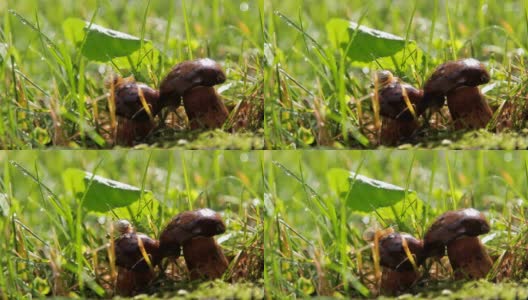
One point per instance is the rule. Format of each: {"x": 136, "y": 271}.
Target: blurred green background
{"x": 484, "y": 177}
{"x": 482, "y": 28}
{"x": 220, "y": 29}
{"x": 216, "y": 179}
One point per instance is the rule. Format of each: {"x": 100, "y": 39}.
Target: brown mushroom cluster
{"x": 136, "y": 105}
{"x": 401, "y": 105}
{"x": 137, "y": 255}
{"x": 457, "y": 231}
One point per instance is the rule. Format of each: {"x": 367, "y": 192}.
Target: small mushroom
{"x": 450, "y": 76}
{"x": 398, "y": 122}
{"x": 458, "y": 230}
{"x": 194, "y": 231}
{"x": 136, "y": 104}
{"x": 398, "y": 272}
{"x": 128, "y": 102}
{"x": 131, "y": 251}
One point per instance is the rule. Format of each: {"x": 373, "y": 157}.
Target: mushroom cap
{"x": 451, "y": 226}
{"x": 454, "y": 74}
{"x": 187, "y": 225}
{"x": 392, "y": 102}
{"x": 392, "y": 254}
{"x": 128, "y": 102}
{"x": 128, "y": 254}
{"x": 451, "y": 75}
{"x": 189, "y": 74}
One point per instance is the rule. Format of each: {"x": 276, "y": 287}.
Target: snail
{"x": 398, "y": 272}
{"x": 398, "y": 121}
{"x": 136, "y": 256}
{"x": 136, "y": 104}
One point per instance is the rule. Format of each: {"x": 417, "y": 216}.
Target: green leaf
{"x": 102, "y": 44}
{"x": 305, "y": 135}
{"x": 104, "y": 194}
{"x": 368, "y": 45}
{"x": 41, "y": 286}
{"x": 145, "y": 57}
{"x": 305, "y": 285}
{"x": 362, "y": 193}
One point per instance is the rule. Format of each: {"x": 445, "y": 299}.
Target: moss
{"x": 479, "y": 139}
{"x": 212, "y": 290}
{"x": 470, "y": 290}
{"x": 214, "y": 139}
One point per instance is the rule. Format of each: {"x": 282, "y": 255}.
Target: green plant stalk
{"x": 187, "y": 29}
{"x": 451, "y": 183}
{"x": 187, "y": 182}
{"x": 451, "y": 32}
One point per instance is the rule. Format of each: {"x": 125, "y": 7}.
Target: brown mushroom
{"x": 187, "y": 75}
{"x": 193, "y": 81}
{"x": 136, "y": 104}
{"x": 194, "y": 231}
{"x": 398, "y": 272}
{"x": 458, "y": 230}
{"x": 450, "y": 76}
{"x": 132, "y": 250}
{"x": 398, "y": 121}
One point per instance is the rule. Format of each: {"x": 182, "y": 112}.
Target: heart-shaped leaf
{"x": 362, "y": 193}
{"x": 104, "y": 194}
{"x": 368, "y": 194}
{"x": 368, "y": 45}
{"x": 102, "y": 44}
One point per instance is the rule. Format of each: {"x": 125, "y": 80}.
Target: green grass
{"x": 53, "y": 246}
{"x": 317, "y": 97}
{"x": 314, "y": 241}
{"x": 55, "y": 97}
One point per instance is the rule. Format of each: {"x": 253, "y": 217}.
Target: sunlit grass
{"x": 53, "y": 246}
{"x": 316, "y": 97}
{"x": 54, "y": 96}
{"x": 315, "y": 243}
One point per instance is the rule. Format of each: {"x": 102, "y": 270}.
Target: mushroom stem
{"x": 394, "y": 282}
{"x": 130, "y": 130}
{"x": 204, "y": 108}
{"x": 393, "y": 131}
{"x": 469, "y": 258}
{"x": 468, "y": 108}
{"x": 204, "y": 258}
{"x": 130, "y": 283}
